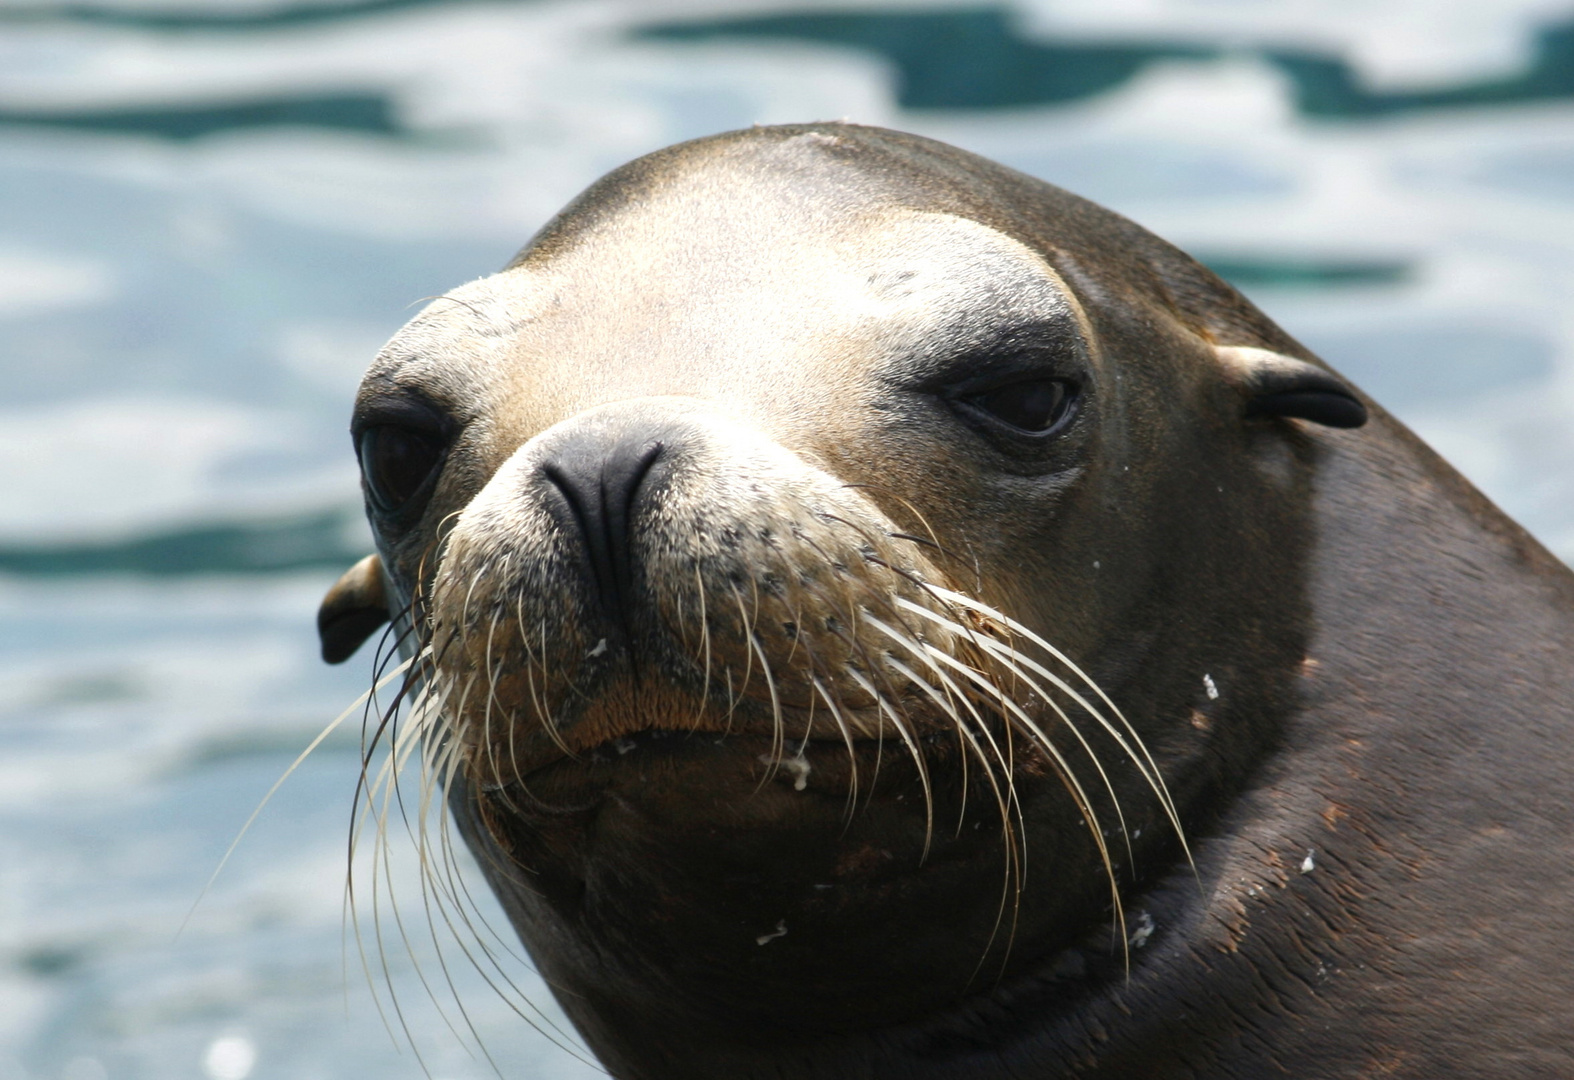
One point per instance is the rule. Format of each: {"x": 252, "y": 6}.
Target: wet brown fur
{"x": 1373, "y": 780}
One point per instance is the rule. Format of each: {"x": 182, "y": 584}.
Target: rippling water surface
{"x": 212, "y": 213}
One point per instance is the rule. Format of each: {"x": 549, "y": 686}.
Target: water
{"x": 212, "y": 213}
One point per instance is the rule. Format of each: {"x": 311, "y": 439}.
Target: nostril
{"x": 621, "y": 481}
{"x": 600, "y": 485}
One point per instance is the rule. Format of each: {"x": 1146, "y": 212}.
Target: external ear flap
{"x": 1279, "y": 385}
{"x": 353, "y": 610}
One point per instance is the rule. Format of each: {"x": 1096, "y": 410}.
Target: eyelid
{"x": 966, "y": 360}
{"x": 402, "y": 409}
{"x": 990, "y": 382}
{"x": 981, "y": 372}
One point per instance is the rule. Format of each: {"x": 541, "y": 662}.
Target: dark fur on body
{"x": 1373, "y": 778}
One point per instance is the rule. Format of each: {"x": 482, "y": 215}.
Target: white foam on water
{"x": 96, "y": 469}
{"x": 33, "y": 281}
{"x": 1392, "y": 43}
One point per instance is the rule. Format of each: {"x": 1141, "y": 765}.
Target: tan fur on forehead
{"x": 816, "y": 171}
{"x": 745, "y": 209}
{"x": 593, "y": 324}
{"x": 469, "y": 321}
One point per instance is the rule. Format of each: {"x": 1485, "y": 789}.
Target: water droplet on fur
{"x": 796, "y": 767}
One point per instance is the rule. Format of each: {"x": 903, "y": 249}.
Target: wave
{"x": 978, "y": 59}
{"x": 326, "y": 538}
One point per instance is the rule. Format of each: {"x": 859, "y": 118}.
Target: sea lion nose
{"x": 599, "y": 476}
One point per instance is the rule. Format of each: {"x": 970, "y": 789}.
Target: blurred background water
{"x": 213, "y": 211}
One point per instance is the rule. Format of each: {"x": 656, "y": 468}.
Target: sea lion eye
{"x": 1033, "y": 405}
{"x": 396, "y": 462}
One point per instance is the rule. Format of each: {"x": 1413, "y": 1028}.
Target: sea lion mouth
{"x": 638, "y": 713}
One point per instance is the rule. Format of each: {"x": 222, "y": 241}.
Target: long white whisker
{"x": 288, "y": 772}
{"x": 912, "y": 747}
{"x": 1084, "y": 804}
{"x": 1151, "y": 772}
{"x": 847, "y": 738}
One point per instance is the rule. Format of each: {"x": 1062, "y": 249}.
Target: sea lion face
{"x": 823, "y": 592}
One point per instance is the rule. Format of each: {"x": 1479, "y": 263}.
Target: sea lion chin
{"x": 873, "y": 612}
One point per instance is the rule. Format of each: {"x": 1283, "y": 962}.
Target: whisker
{"x": 1146, "y": 765}
{"x": 847, "y": 739}
{"x": 288, "y": 772}
{"x": 912, "y": 747}
{"x": 1006, "y": 801}
{"x": 705, "y": 647}
{"x": 1032, "y": 728}
{"x": 1084, "y": 804}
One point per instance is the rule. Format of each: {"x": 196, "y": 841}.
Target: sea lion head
{"x": 839, "y": 571}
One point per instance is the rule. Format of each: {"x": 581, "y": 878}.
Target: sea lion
{"x": 876, "y": 614}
